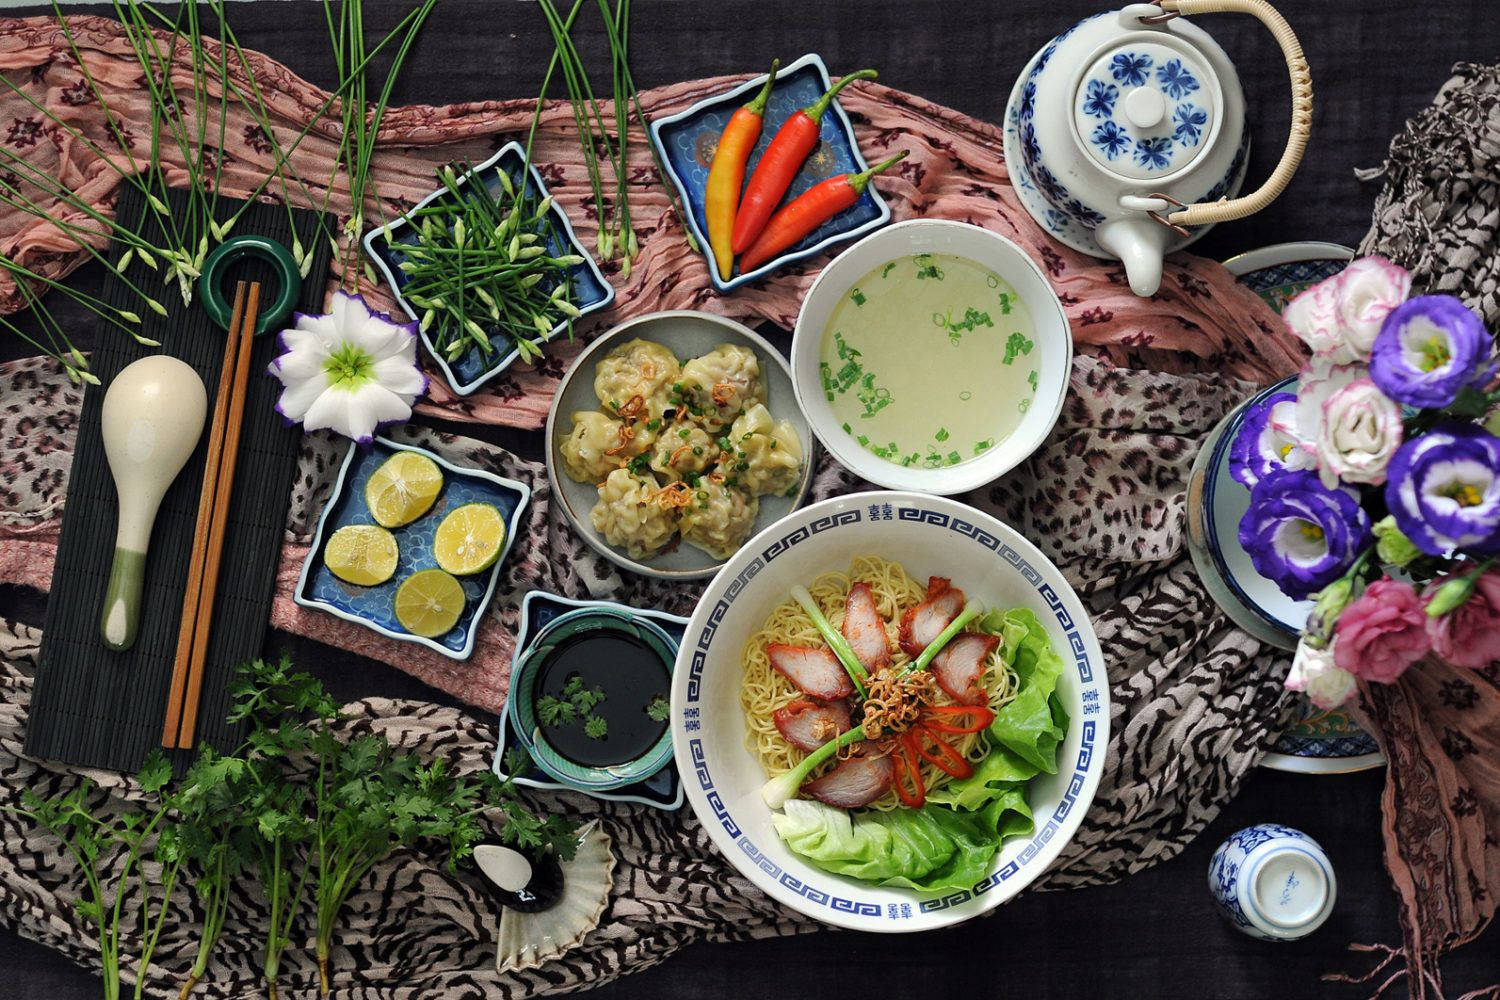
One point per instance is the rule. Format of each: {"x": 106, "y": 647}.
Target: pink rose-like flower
{"x": 1369, "y": 288}
{"x": 1469, "y": 635}
{"x": 1313, "y": 315}
{"x": 1383, "y": 632}
{"x": 1361, "y": 430}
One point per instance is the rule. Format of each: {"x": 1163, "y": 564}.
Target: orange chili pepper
{"x": 721, "y": 199}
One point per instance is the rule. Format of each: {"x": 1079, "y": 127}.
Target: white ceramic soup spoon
{"x": 151, "y": 420}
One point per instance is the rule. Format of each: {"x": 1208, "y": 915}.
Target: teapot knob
{"x": 1140, "y": 243}
{"x": 1145, "y": 107}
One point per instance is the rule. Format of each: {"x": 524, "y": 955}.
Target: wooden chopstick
{"x": 206, "y": 495}
{"x": 187, "y": 673}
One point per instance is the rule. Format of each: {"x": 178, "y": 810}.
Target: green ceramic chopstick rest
{"x": 151, "y": 420}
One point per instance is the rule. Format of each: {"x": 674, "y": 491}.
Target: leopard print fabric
{"x": 1194, "y": 701}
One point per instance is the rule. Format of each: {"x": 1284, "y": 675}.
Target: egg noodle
{"x": 763, "y": 689}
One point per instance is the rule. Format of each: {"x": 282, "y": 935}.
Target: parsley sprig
{"x": 577, "y": 703}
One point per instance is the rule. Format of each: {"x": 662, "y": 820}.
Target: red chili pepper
{"x": 721, "y": 196}
{"x": 947, "y": 759}
{"x": 796, "y": 138}
{"x": 907, "y": 769}
{"x": 808, "y": 211}
{"x": 945, "y": 718}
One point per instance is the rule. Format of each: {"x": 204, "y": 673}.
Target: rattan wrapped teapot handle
{"x": 1207, "y": 213}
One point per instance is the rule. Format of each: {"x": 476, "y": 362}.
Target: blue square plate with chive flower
{"x": 374, "y": 607}
{"x": 687, "y": 141}
{"x": 663, "y": 790}
{"x": 591, "y": 292}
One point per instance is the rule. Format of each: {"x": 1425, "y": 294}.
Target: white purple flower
{"x": 1359, "y": 433}
{"x": 1367, "y": 291}
{"x": 1430, "y": 349}
{"x": 350, "y": 370}
{"x": 1300, "y": 534}
{"x": 1267, "y": 440}
{"x": 1444, "y": 490}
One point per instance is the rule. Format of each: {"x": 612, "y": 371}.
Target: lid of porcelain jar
{"x": 1147, "y": 108}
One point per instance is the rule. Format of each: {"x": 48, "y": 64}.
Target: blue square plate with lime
{"x": 687, "y": 141}
{"x": 663, "y": 790}
{"x": 591, "y": 292}
{"x": 374, "y": 607}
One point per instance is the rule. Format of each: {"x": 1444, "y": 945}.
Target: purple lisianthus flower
{"x": 1300, "y": 534}
{"x": 1268, "y": 440}
{"x": 1429, "y": 349}
{"x": 1443, "y": 488}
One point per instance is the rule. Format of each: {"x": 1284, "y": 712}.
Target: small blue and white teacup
{"x": 1272, "y": 882}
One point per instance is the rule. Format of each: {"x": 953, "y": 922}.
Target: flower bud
{"x": 1449, "y": 597}
{"x": 1330, "y": 603}
{"x": 1393, "y": 547}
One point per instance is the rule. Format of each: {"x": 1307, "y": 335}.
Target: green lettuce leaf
{"x": 1027, "y": 725}
{"x": 932, "y": 848}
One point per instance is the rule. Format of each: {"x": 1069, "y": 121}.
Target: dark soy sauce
{"x": 631, "y": 675}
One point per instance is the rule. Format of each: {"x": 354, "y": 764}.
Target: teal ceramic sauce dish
{"x": 589, "y": 698}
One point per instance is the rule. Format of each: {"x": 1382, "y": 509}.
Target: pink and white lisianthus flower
{"x": 351, "y": 370}
{"x": 1313, "y": 315}
{"x": 1358, "y": 434}
{"x": 1369, "y": 289}
{"x": 1315, "y": 674}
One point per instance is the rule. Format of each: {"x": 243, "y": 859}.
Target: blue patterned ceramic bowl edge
{"x": 522, "y": 640}
{"x": 316, "y": 546}
{"x": 377, "y": 235}
{"x": 583, "y": 777}
{"x": 748, "y": 87}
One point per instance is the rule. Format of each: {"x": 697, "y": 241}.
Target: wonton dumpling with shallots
{"x": 681, "y": 449}
{"x": 767, "y": 457}
{"x": 630, "y": 375}
{"x": 629, "y": 516}
{"x": 592, "y": 448}
{"x": 718, "y": 519}
{"x": 722, "y": 383}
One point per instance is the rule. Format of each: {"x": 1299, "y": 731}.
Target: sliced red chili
{"x": 907, "y": 769}
{"x": 947, "y": 759}
{"x": 957, "y": 718}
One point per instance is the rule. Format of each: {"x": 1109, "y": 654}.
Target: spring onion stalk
{"x": 968, "y": 614}
{"x": 778, "y": 790}
{"x": 834, "y": 638}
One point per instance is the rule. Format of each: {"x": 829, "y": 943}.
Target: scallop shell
{"x": 527, "y": 940}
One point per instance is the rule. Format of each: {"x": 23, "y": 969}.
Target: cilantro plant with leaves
{"x": 577, "y": 703}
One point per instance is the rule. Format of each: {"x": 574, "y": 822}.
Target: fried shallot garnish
{"x": 627, "y": 434}
{"x": 633, "y": 407}
{"x": 677, "y": 494}
{"x": 894, "y": 702}
{"x": 724, "y": 392}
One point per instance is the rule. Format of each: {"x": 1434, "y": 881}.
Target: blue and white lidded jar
{"x": 1272, "y": 882}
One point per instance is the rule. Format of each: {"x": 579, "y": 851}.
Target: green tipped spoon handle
{"x": 151, "y": 420}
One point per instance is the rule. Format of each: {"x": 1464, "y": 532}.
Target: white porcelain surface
{"x": 1114, "y": 114}
{"x": 904, "y": 239}
{"x": 1272, "y": 882}
{"x": 928, "y": 535}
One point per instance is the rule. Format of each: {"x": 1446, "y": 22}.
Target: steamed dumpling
{"x": 628, "y": 516}
{"x": 718, "y": 519}
{"x": 767, "y": 457}
{"x": 637, "y": 368}
{"x": 682, "y": 448}
{"x": 592, "y": 448}
{"x": 723, "y": 382}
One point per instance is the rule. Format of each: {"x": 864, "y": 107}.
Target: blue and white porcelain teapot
{"x": 1126, "y": 136}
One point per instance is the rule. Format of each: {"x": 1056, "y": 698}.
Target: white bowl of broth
{"x": 931, "y": 356}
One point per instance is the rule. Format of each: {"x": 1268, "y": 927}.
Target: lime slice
{"x": 361, "y": 554}
{"x": 403, "y": 489}
{"x": 429, "y": 602}
{"x": 469, "y": 539}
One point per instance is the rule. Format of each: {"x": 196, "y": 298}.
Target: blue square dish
{"x": 687, "y": 141}
{"x": 374, "y": 607}
{"x": 474, "y": 368}
{"x": 663, "y": 790}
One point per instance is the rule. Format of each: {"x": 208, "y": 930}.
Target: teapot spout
{"x": 1140, "y": 243}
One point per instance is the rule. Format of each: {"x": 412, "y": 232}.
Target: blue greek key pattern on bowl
{"x": 1088, "y": 728}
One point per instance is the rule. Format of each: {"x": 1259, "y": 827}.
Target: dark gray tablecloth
{"x": 1374, "y": 63}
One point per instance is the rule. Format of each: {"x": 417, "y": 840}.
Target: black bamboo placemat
{"x": 94, "y": 707}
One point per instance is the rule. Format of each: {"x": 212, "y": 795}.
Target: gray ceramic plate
{"x": 686, "y": 334}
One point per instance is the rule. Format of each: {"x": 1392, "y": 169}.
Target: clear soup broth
{"x": 929, "y": 361}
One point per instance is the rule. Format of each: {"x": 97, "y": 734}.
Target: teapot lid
{"x": 1147, "y": 108}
